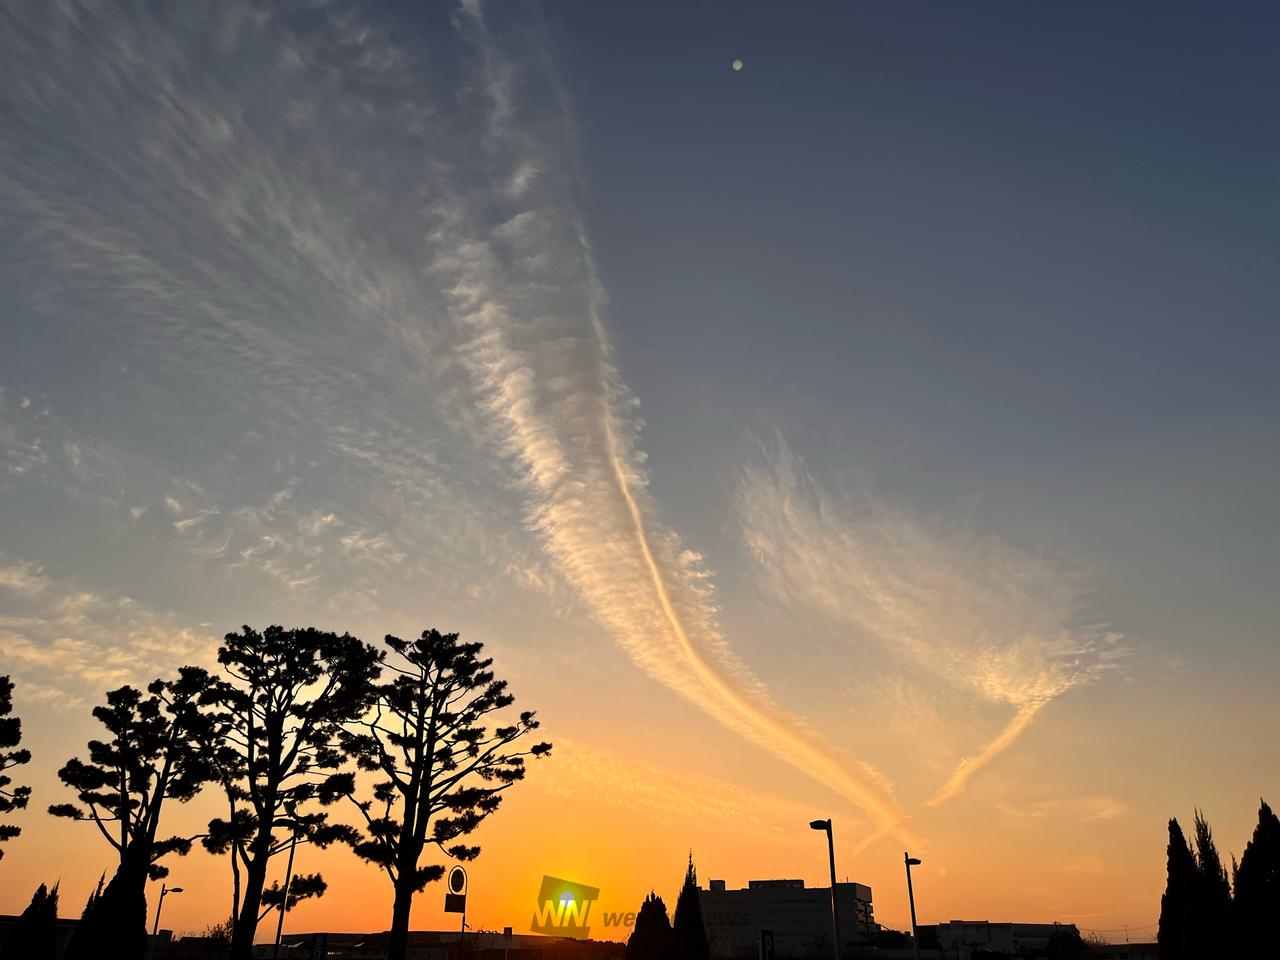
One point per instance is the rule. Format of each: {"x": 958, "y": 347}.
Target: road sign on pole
{"x": 455, "y": 897}
{"x": 766, "y": 945}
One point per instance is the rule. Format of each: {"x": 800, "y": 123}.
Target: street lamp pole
{"x": 288, "y": 882}
{"x": 164, "y": 891}
{"x": 911, "y": 861}
{"x": 831, "y": 853}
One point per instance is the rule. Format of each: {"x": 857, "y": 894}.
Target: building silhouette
{"x": 965, "y": 939}
{"x": 798, "y": 916}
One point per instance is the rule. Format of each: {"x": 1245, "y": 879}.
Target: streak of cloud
{"x": 972, "y": 612}
{"x": 968, "y": 766}
{"x": 526, "y": 287}
{"x": 384, "y": 303}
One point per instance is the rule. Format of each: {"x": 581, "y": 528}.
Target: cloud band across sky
{"x": 368, "y": 277}
{"x": 972, "y": 612}
{"x": 526, "y": 287}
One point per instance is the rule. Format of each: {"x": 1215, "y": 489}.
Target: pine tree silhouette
{"x": 11, "y": 797}
{"x": 651, "y": 938}
{"x": 35, "y": 935}
{"x": 1213, "y": 930}
{"x": 94, "y": 897}
{"x": 1178, "y": 915}
{"x": 689, "y": 933}
{"x": 1257, "y": 888}
{"x": 444, "y": 756}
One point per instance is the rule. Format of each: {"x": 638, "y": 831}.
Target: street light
{"x": 831, "y": 852}
{"x": 911, "y": 861}
{"x": 292, "y": 810}
{"x": 164, "y": 891}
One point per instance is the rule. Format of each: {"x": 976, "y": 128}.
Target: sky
{"x": 886, "y": 430}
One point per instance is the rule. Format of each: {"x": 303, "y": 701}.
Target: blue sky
{"x": 877, "y": 424}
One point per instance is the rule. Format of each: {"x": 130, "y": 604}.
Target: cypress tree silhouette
{"x": 651, "y": 938}
{"x": 35, "y": 934}
{"x": 1214, "y": 931}
{"x": 1257, "y": 887}
{"x": 11, "y": 798}
{"x": 1178, "y": 917}
{"x": 689, "y": 934}
{"x": 445, "y": 770}
{"x": 93, "y": 898}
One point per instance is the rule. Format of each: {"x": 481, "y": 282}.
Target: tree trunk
{"x": 398, "y": 941}
{"x": 246, "y": 925}
{"x": 119, "y": 916}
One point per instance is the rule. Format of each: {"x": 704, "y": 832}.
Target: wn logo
{"x": 564, "y": 908}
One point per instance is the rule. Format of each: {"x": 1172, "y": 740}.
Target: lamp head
{"x": 913, "y": 862}
{"x": 820, "y": 824}
{"x": 175, "y": 889}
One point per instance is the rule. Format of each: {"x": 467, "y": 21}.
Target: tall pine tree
{"x": 436, "y": 733}
{"x": 651, "y": 938}
{"x": 281, "y": 709}
{"x": 689, "y": 934}
{"x": 1257, "y": 888}
{"x": 1214, "y": 931}
{"x": 150, "y": 759}
{"x": 11, "y": 797}
{"x": 35, "y": 934}
{"x": 1178, "y": 905}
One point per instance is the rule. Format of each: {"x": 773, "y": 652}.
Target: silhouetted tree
{"x": 93, "y": 898}
{"x": 444, "y": 768}
{"x": 220, "y": 932}
{"x": 651, "y": 938}
{"x": 1214, "y": 930}
{"x": 11, "y": 797}
{"x": 1178, "y": 917}
{"x": 288, "y": 694}
{"x": 689, "y": 934}
{"x": 1065, "y": 943}
{"x": 35, "y": 934}
{"x": 887, "y": 939}
{"x": 1257, "y": 887}
{"x": 301, "y": 887}
{"x": 153, "y": 755}
{"x": 218, "y": 939}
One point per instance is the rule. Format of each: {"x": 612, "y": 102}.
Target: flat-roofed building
{"x": 798, "y": 916}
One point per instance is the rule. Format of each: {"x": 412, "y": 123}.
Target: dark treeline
{"x": 1203, "y": 913}
{"x": 280, "y": 729}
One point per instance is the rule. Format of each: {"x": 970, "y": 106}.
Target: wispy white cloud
{"x": 523, "y": 284}
{"x": 1090, "y": 808}
{"x": 349, "y": 295}
{"x": 238, "y": 205}
{"x": 948, "y": 603}
{"x": 68, "y": 644}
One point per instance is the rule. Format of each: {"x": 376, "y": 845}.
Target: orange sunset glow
{"x": 846, "y": 436}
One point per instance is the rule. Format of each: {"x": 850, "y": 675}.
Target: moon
{"x": 737, "y": 65}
